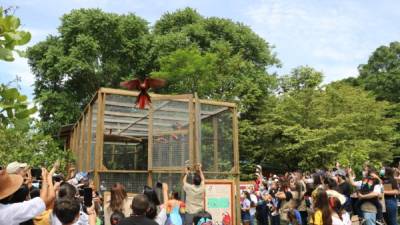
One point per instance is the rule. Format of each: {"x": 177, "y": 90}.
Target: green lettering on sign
{"x": 218, "y": 203}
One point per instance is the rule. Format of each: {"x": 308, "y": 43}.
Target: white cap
{"x": 14, "y": 167}
{"x": 333, "y": 193}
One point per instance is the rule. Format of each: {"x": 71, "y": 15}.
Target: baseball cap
{"x": 339, "y": 172}
{"x": 14, "y": 167}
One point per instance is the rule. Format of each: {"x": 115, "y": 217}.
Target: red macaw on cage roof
{"x": 143, "y": 99}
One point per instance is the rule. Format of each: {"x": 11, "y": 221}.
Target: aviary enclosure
{"x": 116, "y": 142}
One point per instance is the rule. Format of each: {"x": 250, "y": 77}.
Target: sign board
{"x": 247, "y": 185}
{"x": 219, "y": 201}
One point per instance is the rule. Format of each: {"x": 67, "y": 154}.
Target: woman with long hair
{"x": 339, "y": 215}
{"x": 322, "y": 212}
{"x": 117, "y": 203}
{"x": 391, "y": 190}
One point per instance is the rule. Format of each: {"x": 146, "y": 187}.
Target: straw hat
{"x": 9, "y": 183}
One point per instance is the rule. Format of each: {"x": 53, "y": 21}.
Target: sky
{"x": 332, "y": 36}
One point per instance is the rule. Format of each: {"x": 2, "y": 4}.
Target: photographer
{"x": 68, "y": 211}
{"x": 140, "y": 205}
{"x": 15, "y": 213}
{"x": 194, "y": 194}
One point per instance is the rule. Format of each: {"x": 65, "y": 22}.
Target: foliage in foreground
{"x": 11, "y": 36}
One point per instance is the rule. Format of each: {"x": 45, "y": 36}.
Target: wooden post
{"x": 215, "y": 144}
{"x": 192, "y": 124}
{"x": 150, "y": 147}
{"x": 73, "y": 147}
{"x": 81, "y": 144}
{"x": 77, "y": 141}
{"x": 99, "y": 138}
{"x": 89, "y": 136}
{"x": 197, "y": 139}
{"x": 236, "y": 160}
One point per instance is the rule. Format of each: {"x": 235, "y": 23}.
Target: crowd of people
{"x": 336, "y": 197}
{"x": 32, "y": 197}
{"x": 326, "y": 197}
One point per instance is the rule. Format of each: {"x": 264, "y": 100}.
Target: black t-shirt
{"x": 137, "y": 220}
{"x": 345, "y": 189}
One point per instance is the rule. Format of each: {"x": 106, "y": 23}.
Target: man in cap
{"x": 17, "y": 168}
{"x": 22, "y": 169}
{"x": 344, "y": 187}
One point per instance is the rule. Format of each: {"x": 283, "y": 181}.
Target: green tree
{"x": 11, "y": 36}
{"x": 217, "y": 58}
{"x": 314, "y": 126}
{"x": 382, "y": 73}
{"x": 93, "y": 49}
{"x": 19, "y": 140}
{"x": 14, "y": 109}
{"x": 34, "y": 148}
{"x": 214, "y": 57}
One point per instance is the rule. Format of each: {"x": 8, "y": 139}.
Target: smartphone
{"x": 81, "y": 192}
{"x": 37, "y": 173}
{"x": 57, "y": 178}
{"x": 87, "y": 197}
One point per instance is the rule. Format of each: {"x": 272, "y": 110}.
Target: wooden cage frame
{"x": 80, "y": 143}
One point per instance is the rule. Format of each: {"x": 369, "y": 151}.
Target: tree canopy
{"x": 313, "y": 126}
{"x": 291, "y": 121}
{"x": 382, "y": 73}
{"x": 214, "y": 57}
{"x": 93, "y": 49}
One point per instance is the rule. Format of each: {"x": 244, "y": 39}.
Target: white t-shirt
{"x": 16, "y": 213}
{"x": 345, "y": 219}
{"x": 253, "y": 198}
{"x": 161, "y": 216}
{"x": 367, "y": 206}
{"x": 83, "y": 219}
{"x": 377, "y": 187}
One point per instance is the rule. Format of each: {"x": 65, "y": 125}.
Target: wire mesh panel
{"x": 133, "y": 182}
{"x": 216, "y": 138}
{"x": 218, "y": 176}
{"x": 125, "y": 134}
{"x": 85, "y": 141}
{"x": 174, "y": 181}
{"x": 125, "y": 156}
{"x": 93, "y": 130}
{"x": 123, "y": 118}
{"x": 170, "y": 133}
